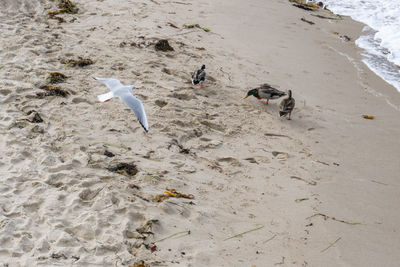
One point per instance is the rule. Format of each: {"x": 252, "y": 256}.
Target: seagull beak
{"x": 246, "y": 96}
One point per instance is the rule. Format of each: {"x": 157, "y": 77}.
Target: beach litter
{"x": 172, "y": 193}
{"x": 368, "y": 117}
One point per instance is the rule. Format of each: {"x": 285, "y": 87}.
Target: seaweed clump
{"x": 305, "y": 5}
{"x": 172, "y": 193}
{"x": 80, "y": 62}
{"x": 66, "y": 6}
{"x": 192, "y": 26}
{"x": 126, "y": 169}
{"x": 52, "y": 15}
{"x": 52, "y": 90}
{"x": 141, "y": 264}
{"x": 163, "y": 45}
{"x": 56, "y": 77}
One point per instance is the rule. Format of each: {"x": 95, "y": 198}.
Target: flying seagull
{"x": 124, "y": 92}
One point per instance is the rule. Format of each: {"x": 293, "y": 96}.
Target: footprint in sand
{"x": 78, "y": 100}
{"x": 182, "y": 96}
{"x": 230, "y": 160}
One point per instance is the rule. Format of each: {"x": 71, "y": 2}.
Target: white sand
{"x": 60, "y": 206}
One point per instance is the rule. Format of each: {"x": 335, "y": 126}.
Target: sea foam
{"x": 381, "y": 40}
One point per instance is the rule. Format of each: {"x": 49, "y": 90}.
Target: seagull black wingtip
{"x": 144, "y": 128}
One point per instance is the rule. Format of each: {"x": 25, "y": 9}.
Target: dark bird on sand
{"x": 199, "y": 76}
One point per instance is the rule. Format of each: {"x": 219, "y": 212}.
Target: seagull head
{"x": 131, "y": 87}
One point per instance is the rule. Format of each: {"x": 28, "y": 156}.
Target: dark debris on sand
{"x": 109, "y": 154}
{"x": 52, "y": 90}
{"x": 37, "y": 118}
{"x": 56, "y": 77}
{"x": 163, "y": 45}
{"x": 127, "y": 169}
{"x": 66, "y": 6}
{"x": 191, "y": 26}
{"x": 182, "y": 149}
{"x": 305, "y": 5}
{"x": 80, "y": 62}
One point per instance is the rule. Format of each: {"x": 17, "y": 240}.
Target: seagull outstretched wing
{"x": 111, "y": 83}
{"x": 137, "y": 107}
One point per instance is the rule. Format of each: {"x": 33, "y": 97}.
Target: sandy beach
{"x": 252, "y": 189}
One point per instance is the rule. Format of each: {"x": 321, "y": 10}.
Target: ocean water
{"x": 381, "y": 39}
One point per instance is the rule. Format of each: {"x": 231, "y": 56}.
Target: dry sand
{"x": 60, "y": 206}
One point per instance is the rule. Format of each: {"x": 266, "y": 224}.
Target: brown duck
{"x": 287, "y": 105}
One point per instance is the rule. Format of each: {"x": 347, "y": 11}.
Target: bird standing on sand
{"x": 265, "y": 91}
{"x": 124, "y": 92}
{"x": 286, "y": 106}
{"x": 199, "y": 76}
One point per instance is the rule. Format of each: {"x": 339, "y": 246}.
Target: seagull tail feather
{"x": 105, "y": 97}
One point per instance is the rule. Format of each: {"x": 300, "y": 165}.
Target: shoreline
{"x": 319, "y": 190}
{"x": 375, "y": 55}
